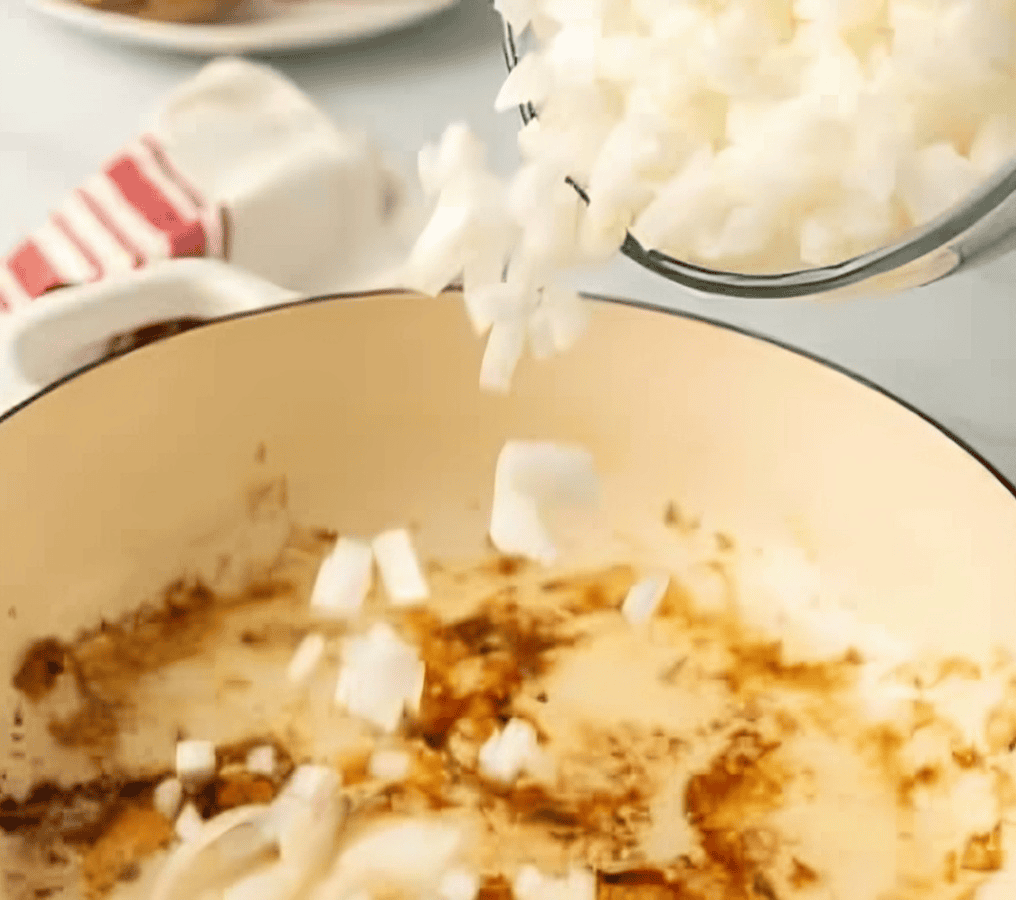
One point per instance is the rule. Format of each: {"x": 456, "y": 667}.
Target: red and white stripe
{"x": 139, "y": 209}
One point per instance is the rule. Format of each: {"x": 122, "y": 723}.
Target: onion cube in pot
{"x": 400, "y": 568}
{"x": 343, "y": 579}
{"x": 381, "y": 677}
{"x": 195, "y": 761}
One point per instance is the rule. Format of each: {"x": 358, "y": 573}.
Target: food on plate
{"x": 744, "y": 136}
{"x": 194, "y": 11}
{"x": 512, "y": 729}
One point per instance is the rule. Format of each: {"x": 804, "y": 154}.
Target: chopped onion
{"x": 518, "y": 13}
{"x": 643, "y": 598}
{"x": 458, "y": 884}
{"x": 528, "y": 82}
{"x": 189, "y": 823}
{"x": 567, "y": 314}
{"x": 531, "y": 474}
{"x": 400, "y": 569}
{"x": 343, "y": 579}
{"x": 389, "y": 765}
{"x": 167, "y": 797}
{"x": 506, "y": 753}
{"x": 550, "y": 472}
{"x": 175, "y": 881}
{"x": 737, "y": 135}
{"x": 381, "y": 677}
{"x": 531, "y": 884}
{"x": 505, "y": 344}
{"x": 305, "y": 658}
{"x": 195, "y": 761}
{"x": 261, "y": 760}
{"x": 410, "y": 854}
{"x": 306, "y": 817}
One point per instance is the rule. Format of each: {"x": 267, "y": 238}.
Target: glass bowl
{"x": 980, "y": 228}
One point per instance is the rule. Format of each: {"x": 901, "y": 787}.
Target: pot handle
{"x": 74, "y": 326}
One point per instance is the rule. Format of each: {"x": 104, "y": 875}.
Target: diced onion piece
{"x": 400, "y": 568}
{"x": 306, "y": 817}
{"x": 937, "y": 178}
{"x": 517, "y": 13}
{"x": 994, "y": 144}
{"x": 409, "y": 854}
{"x": 482, "y": 270}
{"x": 437, "y": 257}
{"x": 195, "y": 761}
{"x": 343, "y": 579}
{"x": 643, "y": 598}
{"x": 389, "y": 765}
{"x": 381, "y": 677}
{"x": 458, "y": 884}
{"x": 167, "y": 798}
{"x": 182, "y": 875}
{"x": 189, "y": 823}
{"x": 541, "y": 334}
{"x": 516, "y": 528}
{"x": 528, "y": 82}
{"x": 568, "y": 315}
{"x": 531, "y": 884}
{"x": 531, "y": 474}
{"x": 306, "y": 658}
{"x": 458, "y": 149}
{"x": 261, "y": 760}
{"x": 505, "y": 343}
{"x": 506, "y": 753}
{"x": 548, "y": 471}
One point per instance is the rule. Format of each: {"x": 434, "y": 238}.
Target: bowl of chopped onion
{"x": 293, "y": 610}
{"x": 778, "y": 149}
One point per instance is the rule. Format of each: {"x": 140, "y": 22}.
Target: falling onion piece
{"x": 261, "y": 760}
{"x": 381, "y": 677}
{"x": 400, "y": 568}
{"x": 189, "y": 823}
{"x": 643, "y": 598}
{"x": 531, "y": 884}
{"x": 237, "y": 834}
{"x": 167, "y": 798}
{"x": 305, "y": 819}
{"x": 516, "y": 528}
{"x": 507, "y": 753}
{"x": 389, "y": 765}
{"x": 305, "y": 658}
{"x": 195, "y": 761}
{"x": 343, "y": 579}
{"x": 568, "y": 314}
{"x": 478, "y": 223}
{"x": 505, "y": 343}
{"x": 406, "y": 855}
{"x": 458, "y": 884}
{"x": 518, "y": 13}
{"x": 530, "y": 475}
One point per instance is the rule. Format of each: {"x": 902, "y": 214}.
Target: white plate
{"x": 267, "y": 26}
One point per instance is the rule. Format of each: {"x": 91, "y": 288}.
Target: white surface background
{"x": 67, "y": 101}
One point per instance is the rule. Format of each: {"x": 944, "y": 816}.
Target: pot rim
{"x": 648, "y": 306}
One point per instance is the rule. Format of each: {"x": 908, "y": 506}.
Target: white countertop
{"x": 67, "y": 101}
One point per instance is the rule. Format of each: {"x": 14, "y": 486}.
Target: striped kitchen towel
{"x": 239, "y": 165}
{"x": 138, "y": 209}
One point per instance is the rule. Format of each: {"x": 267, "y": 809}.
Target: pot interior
{"x": 197, "y": 456}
